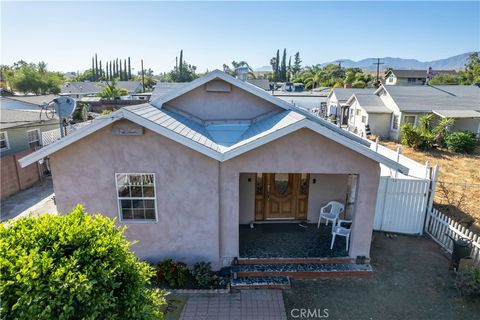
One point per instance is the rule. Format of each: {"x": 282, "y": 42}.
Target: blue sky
{"x": 67, "y": 34}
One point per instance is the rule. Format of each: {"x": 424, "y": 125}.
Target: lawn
{"x": 411, "y": 281}
{"x": 458, "y": 190}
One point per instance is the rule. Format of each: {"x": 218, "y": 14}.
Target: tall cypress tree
{"x": 120, "y": 70}
{"x": 129, "y": 70}
{"x": 92, "y": 77}
{"x": 180, "y": 67}
{"x": 289, "y": 69}
{"x": 101, "y": 70}
{"x": 125, "y": 69}
{"x": 116, "y": 66}
{"x": 283, "y": 68}
{"x": 111, "y": 71}
{"x": 277, "y": 66}
{"x": 96, "y": 68}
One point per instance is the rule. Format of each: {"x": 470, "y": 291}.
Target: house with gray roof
{"x": 337, "y": 105}
{"x": 197, "y": 168}
{"x": 78, "y": 90}
{"x": 22, "y": 123}
{"x": 393, "y": 106}
{"x": 399, "y": 77}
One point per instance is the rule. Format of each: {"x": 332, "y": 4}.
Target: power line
{"x": 378, "y": 63}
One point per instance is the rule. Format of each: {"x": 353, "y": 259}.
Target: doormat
{"x": 281, "y": 227}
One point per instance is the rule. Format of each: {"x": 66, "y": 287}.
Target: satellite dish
{"x": 64, "y": 106}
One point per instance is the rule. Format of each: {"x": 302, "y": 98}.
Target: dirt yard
{"x": 411, "y": 281}
{"x": 458, "y": 190}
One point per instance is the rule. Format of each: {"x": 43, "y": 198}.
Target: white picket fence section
{"x": 439, "y": 225}
{"x": 401, "y": 205}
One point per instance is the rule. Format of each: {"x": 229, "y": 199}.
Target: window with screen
{"x": 33, "y": 138}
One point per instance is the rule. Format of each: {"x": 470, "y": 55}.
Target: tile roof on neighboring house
{"x": 10, "y": 118}
{"x": 34, "y": 100}
{"x": 371, "y": 103}
{"x": 222, "y": 141}
{"x": 343, "y": 94}
{"x": 427, "y": 98}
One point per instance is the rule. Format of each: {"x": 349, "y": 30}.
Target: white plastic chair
{"x": 341, "y": 231}
{"x": 332, "y": 215}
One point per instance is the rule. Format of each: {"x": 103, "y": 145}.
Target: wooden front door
{"x": 281, "y": 196}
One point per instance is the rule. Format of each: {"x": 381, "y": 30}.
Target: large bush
{"x": 415, "y": 138}
{"x": 76, "y": 266}
{"x": 461, "y": 141}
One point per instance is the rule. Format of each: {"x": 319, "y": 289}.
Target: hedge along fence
{"x": 438, "y": 226}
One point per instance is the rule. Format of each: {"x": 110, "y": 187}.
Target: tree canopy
{"x": 182, "y": 72}
{"x": 31, "y": 78}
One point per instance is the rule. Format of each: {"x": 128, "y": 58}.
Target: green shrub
{"x": 106, "y": 112}
{"x": 203, "y": 274}
{"x": 461, "y": 141}
{"x": 468, "y": 283}
{"x": 172, "y": 272}
{"x": 442, "y": 130}
{"x": 76, "y": 266}
{"x": 415, "y": 138}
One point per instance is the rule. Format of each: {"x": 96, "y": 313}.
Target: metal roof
{"x": 163, "y": 88}
{"x": 427, "y": 98}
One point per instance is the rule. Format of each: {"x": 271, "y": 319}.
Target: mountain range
{"x": 455, "y": 62}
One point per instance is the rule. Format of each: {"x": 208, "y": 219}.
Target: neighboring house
{"x": 337, "y": 102}
{"x": 406, "y": 104}
{"x": 187, "y": 169}
{"x": 368, "y": 109}
{"x": 412, "y": 77}
{"x": 34, "y": 103}
{"x": 79, "y": 90}
{"x": 22, "y": 129}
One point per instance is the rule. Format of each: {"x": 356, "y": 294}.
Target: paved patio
{"x": 244, "y": 304}
{"x": 35, "y": 200}
{"x": 289, "y": 240}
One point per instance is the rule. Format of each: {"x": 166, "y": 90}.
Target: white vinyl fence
{"x": 438, "y": 226}
{"x": 403, "y": 201}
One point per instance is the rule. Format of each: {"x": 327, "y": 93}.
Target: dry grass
{"x": 458, "y": 189}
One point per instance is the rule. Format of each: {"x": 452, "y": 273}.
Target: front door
{"x": 281, "y": 196}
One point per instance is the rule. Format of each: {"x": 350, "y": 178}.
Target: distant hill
{"x": 455, "y": 62}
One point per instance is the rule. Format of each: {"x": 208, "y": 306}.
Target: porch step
{"x": 303, "y": 271}
{"x": 339, "y": 260}
{"x": 279, "y": 282}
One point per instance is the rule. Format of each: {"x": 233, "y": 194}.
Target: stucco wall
{"x": 380, "y": 124}
{"x": 236, "y": 104}
{"x": 186, "y": 190}
{"x": 247, "y": 198}
{"x": 301, "y": 151}
{"x": 472, "y": 125}
{"x": 18, "y": 139}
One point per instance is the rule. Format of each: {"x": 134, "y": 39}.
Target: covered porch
{"x": 290, "y": 240}
{"x": 279, "y": 213}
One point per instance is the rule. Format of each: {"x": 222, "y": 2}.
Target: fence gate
{"x": 401, "y": 205}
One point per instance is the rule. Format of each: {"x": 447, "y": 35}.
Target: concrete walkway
{"x": 37, "y": 199}
{"x": 245, "y": 304}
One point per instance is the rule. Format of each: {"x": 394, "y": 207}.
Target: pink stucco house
{"x": 190, "y": 170}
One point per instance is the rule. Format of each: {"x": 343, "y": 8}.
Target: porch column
{"x": 364, "y": 215}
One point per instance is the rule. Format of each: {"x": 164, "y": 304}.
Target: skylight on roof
{"x": 227, "y": 134}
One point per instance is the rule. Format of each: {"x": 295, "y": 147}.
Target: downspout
{"x": 219, "y": 220}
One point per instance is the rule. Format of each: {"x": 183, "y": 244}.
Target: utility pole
{"x": 378, "y": 63}
{"x": 143, "y": 77}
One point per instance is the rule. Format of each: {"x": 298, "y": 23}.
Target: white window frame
{"x": 154, "y": 198}
{"x": 364, "y": 119}
{"x": 410, "y": 115}
{"x": 39, "y": 135}
{"x": 358, "y": 112}
{"x": 7, "y": 143}
{"x": 393, "y": 122}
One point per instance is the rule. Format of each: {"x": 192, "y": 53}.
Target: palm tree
{"x": 312, "y": 76}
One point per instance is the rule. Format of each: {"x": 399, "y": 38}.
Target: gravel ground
{"x": 411, "y": 281}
